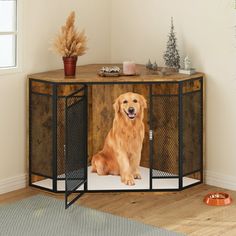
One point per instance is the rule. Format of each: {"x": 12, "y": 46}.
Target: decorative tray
{"x": 114, "y": 74}
{"x": 108, "y": 74}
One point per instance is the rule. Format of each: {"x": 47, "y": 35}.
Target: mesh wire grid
{"x": 41, "y": 134}
{"x": 192, "y": 132}
{"x": 165, "y": 129}
{"x": 75, "y": 142}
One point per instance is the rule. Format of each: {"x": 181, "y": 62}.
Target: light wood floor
{"x": 181, "y": 212}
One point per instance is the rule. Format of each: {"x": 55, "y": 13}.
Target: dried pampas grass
{"x": 70, "y": 42}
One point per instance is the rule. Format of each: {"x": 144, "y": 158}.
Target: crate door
{"x": 75, "y": 148}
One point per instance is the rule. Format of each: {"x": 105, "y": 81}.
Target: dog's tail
{"x": 99, "y": 164}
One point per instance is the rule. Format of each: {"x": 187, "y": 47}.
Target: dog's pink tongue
{"x": 131, "y": 116}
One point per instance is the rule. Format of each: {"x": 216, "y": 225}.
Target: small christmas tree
{"x": 171, "y": 56}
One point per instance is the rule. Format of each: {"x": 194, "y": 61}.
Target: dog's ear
{"x": 116, "y": 105}
{"x": 143, "y": 101}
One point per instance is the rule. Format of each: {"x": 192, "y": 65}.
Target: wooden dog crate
{"x": 69, "y": 119}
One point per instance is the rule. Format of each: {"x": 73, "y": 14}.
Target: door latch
{"x": 150, "y": 134}
{"x": 64, "y": 150}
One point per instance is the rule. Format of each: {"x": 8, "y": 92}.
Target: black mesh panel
{"x": 60, "y": 137}
{"x": 41, "y": 134}
{"x": 76, "y": 143}
{"x": 191, "y": 132}
{"x": 165, "y": 130}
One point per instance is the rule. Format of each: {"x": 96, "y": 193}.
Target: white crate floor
{"x": 110, "y": 182}
{"x": 47, "y": 183}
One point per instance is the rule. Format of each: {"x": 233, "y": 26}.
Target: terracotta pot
{"x": 70, "y": 65}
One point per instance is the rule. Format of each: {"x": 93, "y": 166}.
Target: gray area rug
{"x": 42, "y": 215}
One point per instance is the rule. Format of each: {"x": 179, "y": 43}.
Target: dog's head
{"x": 130, "y": 105}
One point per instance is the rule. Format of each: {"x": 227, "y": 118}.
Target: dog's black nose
{"x": 131, "y": 110}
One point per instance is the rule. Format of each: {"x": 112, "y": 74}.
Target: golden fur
{"x": 121, "y": 153}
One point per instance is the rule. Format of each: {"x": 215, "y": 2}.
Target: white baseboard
{"x": 14, "y": 183}
{"x": 220, "y": 180}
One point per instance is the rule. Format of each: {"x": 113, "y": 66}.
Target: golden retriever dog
{"x": 121, "y": 153}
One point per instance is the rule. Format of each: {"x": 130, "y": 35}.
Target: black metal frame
{"x": 180, "y": 94}
{"x": 54, "y": 134}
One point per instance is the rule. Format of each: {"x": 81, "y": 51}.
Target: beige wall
{"x": 41, "y": 19}
{"x": 205, "y": 31}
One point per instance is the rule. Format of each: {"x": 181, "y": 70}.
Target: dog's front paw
{"x": 137, "y": 176}
{"x": 128, "y": 180}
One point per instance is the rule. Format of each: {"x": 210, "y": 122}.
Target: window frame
{"x": 18, "y": 44}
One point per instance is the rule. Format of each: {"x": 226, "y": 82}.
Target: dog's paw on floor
{"x": 128, "y": 180}
{"x": 137, "y": 176}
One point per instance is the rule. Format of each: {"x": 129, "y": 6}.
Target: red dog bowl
{"x": 217, "y": 199}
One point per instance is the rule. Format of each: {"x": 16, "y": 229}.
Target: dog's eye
{"x": 135, "y": 101}
{"x": 125, "y": 101}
